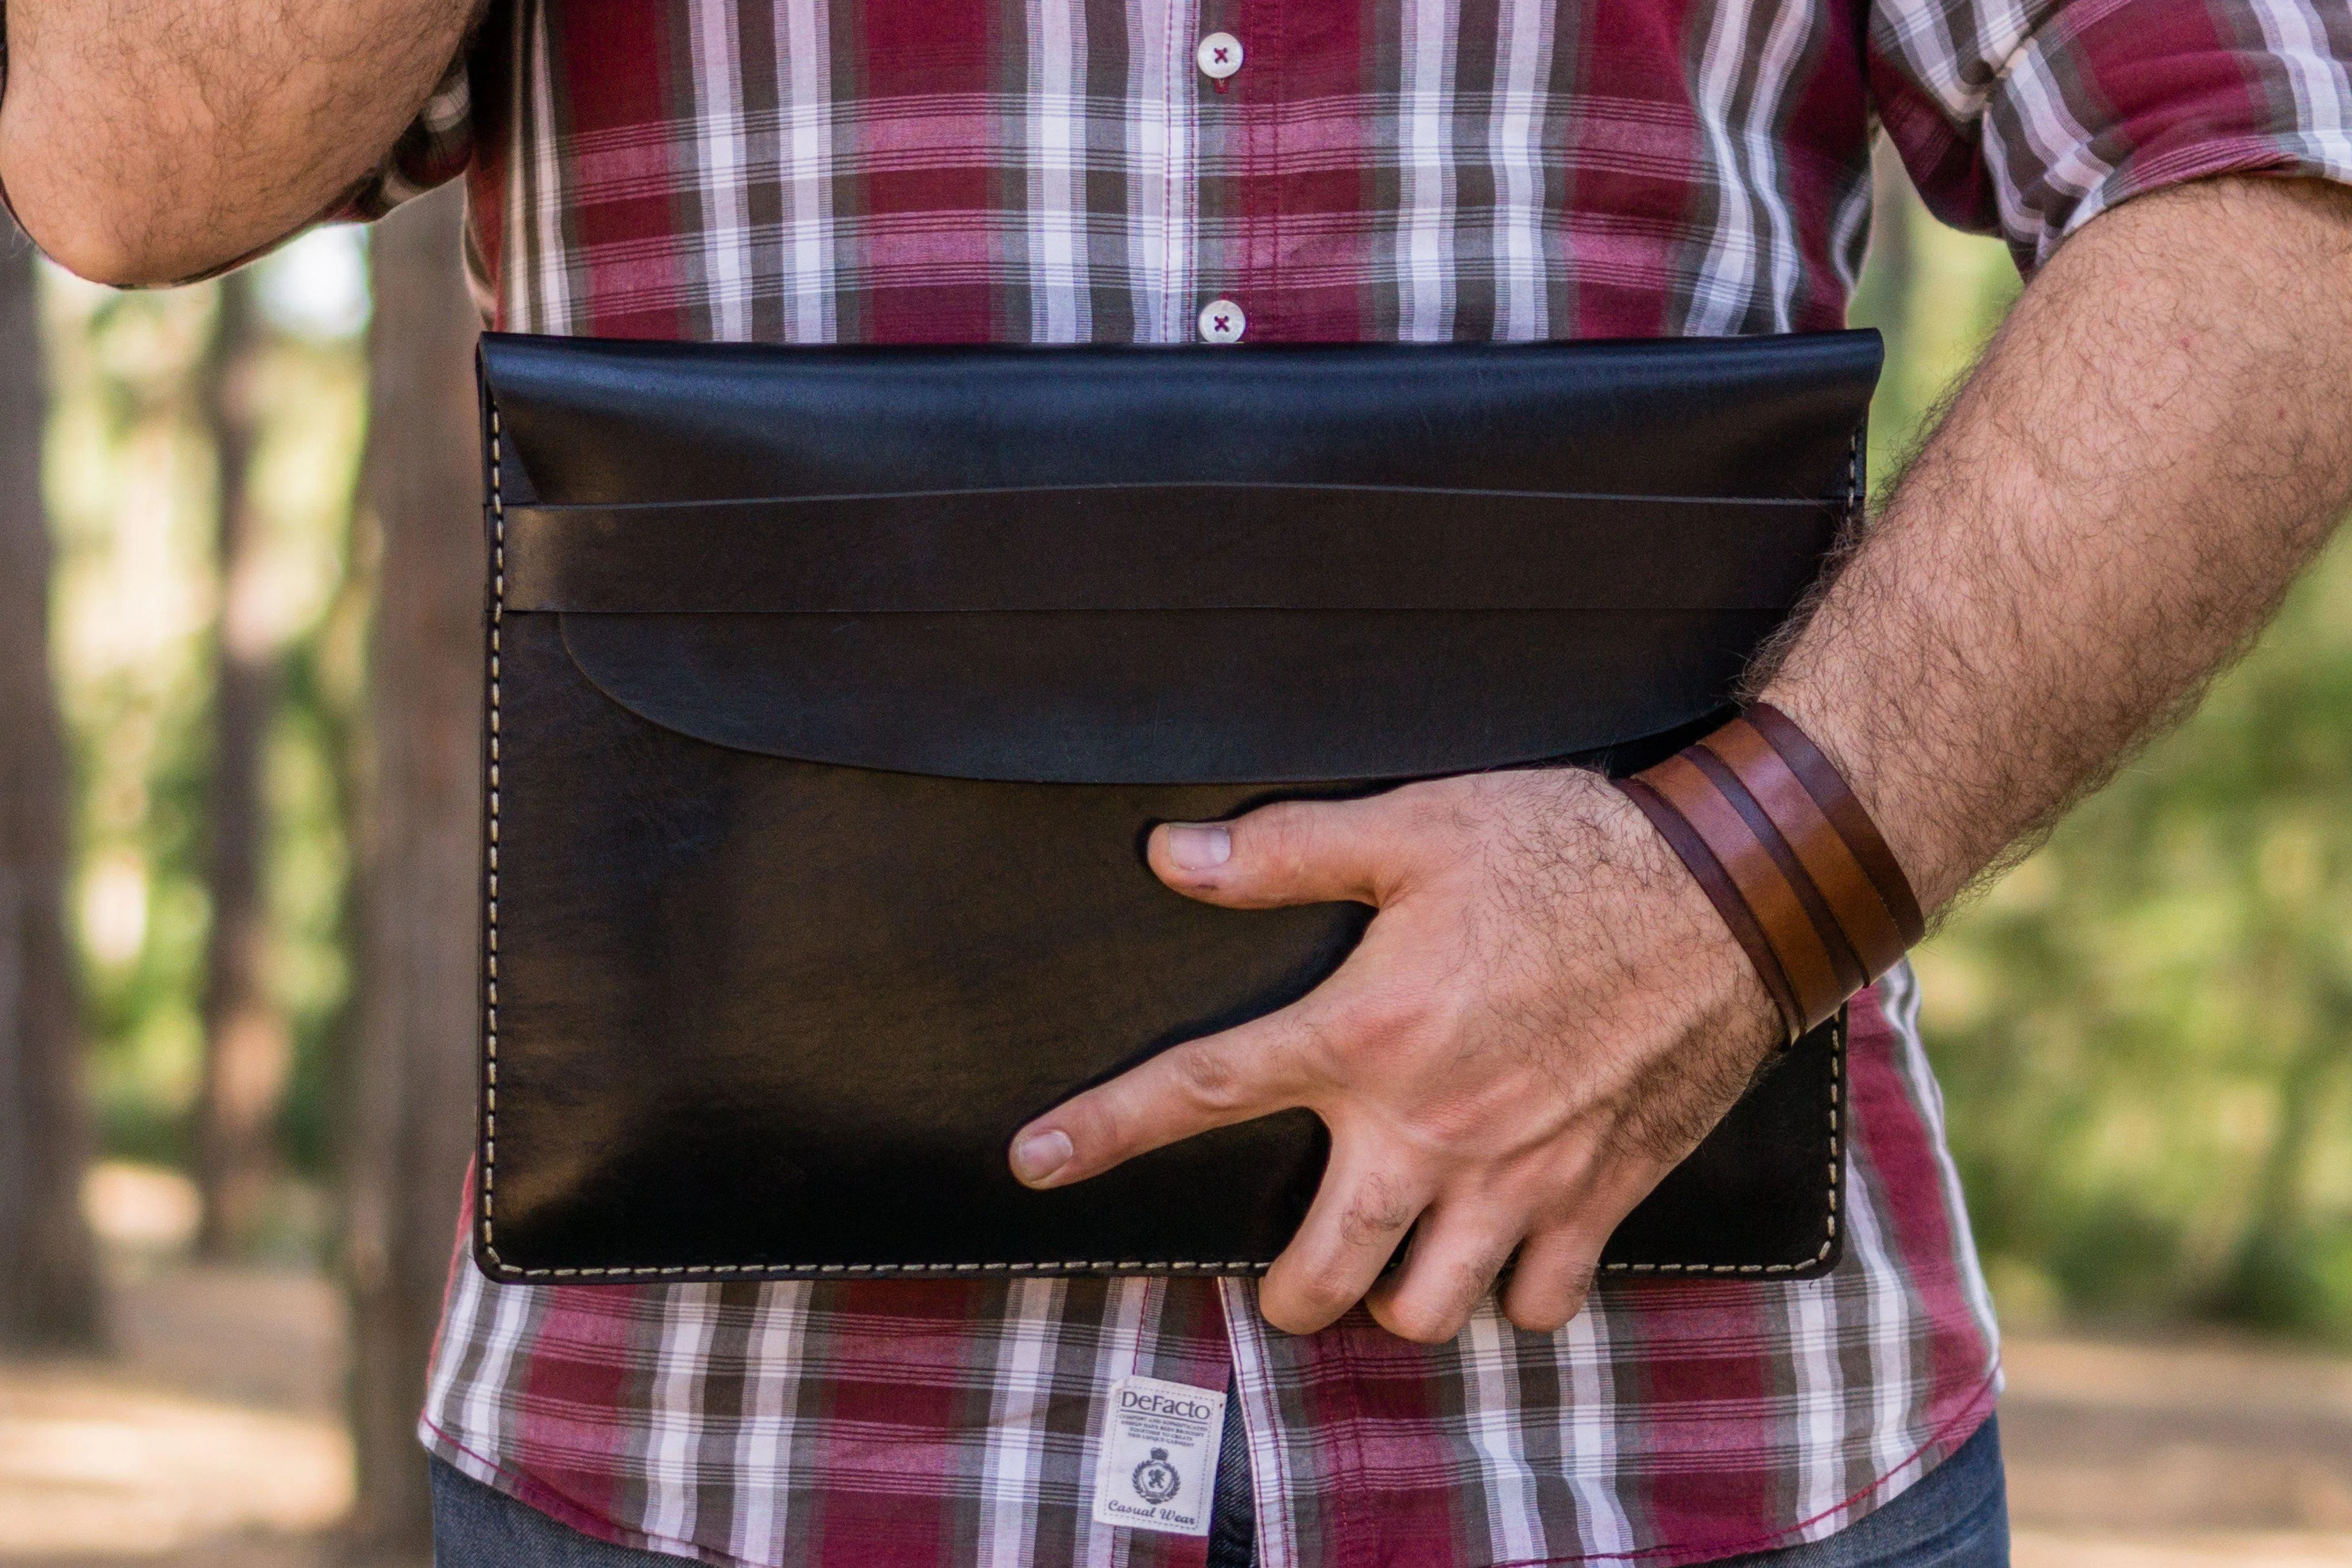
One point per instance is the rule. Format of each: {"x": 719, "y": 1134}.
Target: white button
{"x": 1222, "y": 322}
{"x": 1218, "y": 56}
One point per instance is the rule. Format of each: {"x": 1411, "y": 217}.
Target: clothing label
{"x": 1158, "y": 1465}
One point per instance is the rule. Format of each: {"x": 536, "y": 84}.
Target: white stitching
{"x": 810, "y": 1270}
{"x": 490, "y": 860}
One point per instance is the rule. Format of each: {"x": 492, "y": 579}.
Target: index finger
{"x": 1246, "y": 1071}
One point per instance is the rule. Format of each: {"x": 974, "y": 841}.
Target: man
{"x": 1547, "y": 1013}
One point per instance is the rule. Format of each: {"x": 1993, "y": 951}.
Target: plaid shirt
{"x": 808, "y": 170}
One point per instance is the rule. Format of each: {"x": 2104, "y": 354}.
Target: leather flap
{"x": 1171, "y": 696}
{"x": 1150, "y": 566}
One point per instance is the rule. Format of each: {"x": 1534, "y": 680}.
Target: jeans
{"x": 1956, "y": 1517}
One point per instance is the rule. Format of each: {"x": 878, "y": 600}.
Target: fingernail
{"x": 1040, "y": 1155}
{"x": 1198, "y": 849}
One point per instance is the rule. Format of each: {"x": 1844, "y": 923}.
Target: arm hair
{"x": 2156, "y": 442}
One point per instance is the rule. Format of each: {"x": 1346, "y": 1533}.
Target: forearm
{"x": 2156, "y": 441}
{"x": 147, "y": 140}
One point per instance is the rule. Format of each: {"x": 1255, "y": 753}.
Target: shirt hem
{"x": 532, "y": 1493}
{"x": 1948, "y": 1438}
{"x": 572, "y": 1514}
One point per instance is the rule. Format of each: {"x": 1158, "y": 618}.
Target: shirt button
{"x": 1218, "y": 56}
{"x": 1222, "y": 322}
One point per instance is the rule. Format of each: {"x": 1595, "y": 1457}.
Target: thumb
{"x": 1293, "y": 852}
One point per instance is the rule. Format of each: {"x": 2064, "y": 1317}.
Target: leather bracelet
{"x": 1814, "y": 978}
{"x": 1828, "y": 787}
{"x": 1876, "y": 939}
{"x": 1846, "y": 971}
{"x": 1789, "y": 857}
{"x": 1692, "y": 851}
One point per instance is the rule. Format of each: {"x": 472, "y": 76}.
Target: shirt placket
{"x": 1235, "y": 85}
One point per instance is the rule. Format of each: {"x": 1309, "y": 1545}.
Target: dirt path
{"x": 2177, "y": 1454}
{"x": 211, "y": 1441}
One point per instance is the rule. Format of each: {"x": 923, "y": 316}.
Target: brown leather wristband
{"x": 1789, "y": 857}
{"x": 1813, "y": 975}
{"x": 1829, "y": 790}
{"x": 1829, "y": 862}
{"x": 1845, "y": 968}
{"x": 1707, "y": 871}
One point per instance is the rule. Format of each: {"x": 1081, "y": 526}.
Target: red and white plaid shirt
{"x": 870, "y": 170}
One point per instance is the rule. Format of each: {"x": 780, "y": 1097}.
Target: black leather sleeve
{"x": 832, "y": 692}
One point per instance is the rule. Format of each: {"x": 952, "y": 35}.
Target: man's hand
{"x": 151, "y": 140}
{"x": 1543, "y": 1019}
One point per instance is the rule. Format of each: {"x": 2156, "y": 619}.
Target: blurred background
{"x": 238, "y": 728}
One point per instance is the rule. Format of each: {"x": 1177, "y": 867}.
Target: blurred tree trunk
{"x": 408, "y": 1088}
{"x": 248, "y": 1048}
{"x": 48, "y": 1293}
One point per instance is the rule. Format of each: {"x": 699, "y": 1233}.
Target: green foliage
{"x": 1935, "y": 294}
{"x": 2145, "y": 1031}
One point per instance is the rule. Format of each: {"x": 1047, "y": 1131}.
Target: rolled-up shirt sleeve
{"x": 2029, "y": 118}
{"x": 433, "y": 151}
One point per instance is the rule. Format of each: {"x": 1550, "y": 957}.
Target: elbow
{"x": 94, "y": 239}
{"x": 93, "y": 228}
{"x": 91, "y": 250}
{"x": 60, "y": 186}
